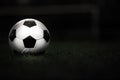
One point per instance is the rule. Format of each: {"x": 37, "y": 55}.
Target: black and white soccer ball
{"x": 29, "y": 36}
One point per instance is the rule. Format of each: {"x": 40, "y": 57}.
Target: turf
{"x": 64, "y": 60}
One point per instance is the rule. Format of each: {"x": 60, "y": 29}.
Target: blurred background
{"x": 85, "y": 38}
{"x": 66, "y": 19}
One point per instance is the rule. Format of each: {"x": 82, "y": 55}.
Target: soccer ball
{"x": 29, "y": 36}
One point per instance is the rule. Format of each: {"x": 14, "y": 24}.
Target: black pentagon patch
{"x": 29, "y": 42}
{"x": 17, "y": 53}
{"x": 29, "y": 23}
{"x": 46, "y": 35}
{"x": 12, "y": 35}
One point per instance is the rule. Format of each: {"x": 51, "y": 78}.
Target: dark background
{"x": 85, "y": 38}
{"x": 65, "y": 18}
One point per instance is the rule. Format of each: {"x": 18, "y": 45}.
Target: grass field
{"x": 64, "y": 60}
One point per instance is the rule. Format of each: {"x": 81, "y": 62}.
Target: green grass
{"x": 64, "y": 59}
